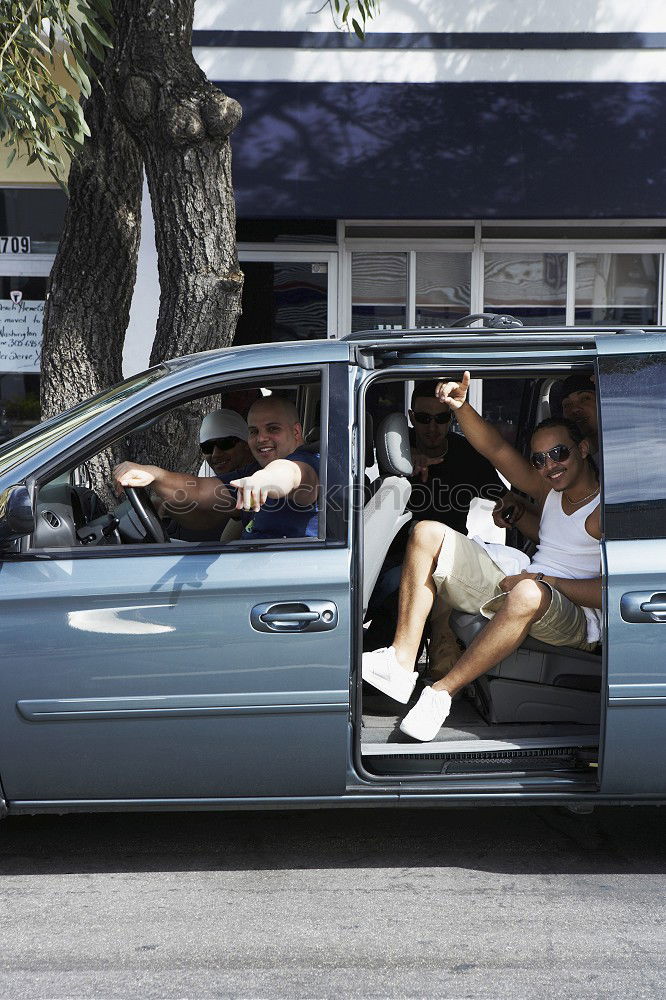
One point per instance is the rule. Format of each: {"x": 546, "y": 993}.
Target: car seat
{"x": 384, "y": 513}
{"x": 537, "y": 683}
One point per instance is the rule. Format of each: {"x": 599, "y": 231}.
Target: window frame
{"x": 156, "y": 406}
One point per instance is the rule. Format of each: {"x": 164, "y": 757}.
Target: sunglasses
{"x": 222, "y": 444}
{"x": 421, "y": 417}
{"x": 559, "y": 453}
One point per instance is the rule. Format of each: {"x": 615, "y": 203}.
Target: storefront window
{"x": 379, "y": 290}
{"x": 37, "y": 213}
{"x": 531, "y": 286}
{"x": 21, "y": 318}
{"x": 443, "y": 284}
{"x": 617, "y": 288}
{"x": 283, "y": 300}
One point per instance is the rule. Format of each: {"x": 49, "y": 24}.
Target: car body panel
{"x": 142, "y": 677}
{"x": 632, "y": 390}
{"x": 133, "y": 677}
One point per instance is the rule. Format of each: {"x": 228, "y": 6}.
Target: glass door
{"x": 287, "y": 296}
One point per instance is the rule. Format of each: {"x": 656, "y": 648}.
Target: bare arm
{"x": 281, "y": 478}
{"x": 489, "y": 442}
{"x": 520, "y": 515}
{"x": 584, "y": 593}
{"x": 194, "y": 500}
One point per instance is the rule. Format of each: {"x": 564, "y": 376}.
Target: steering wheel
{"x": 143, "y": 507}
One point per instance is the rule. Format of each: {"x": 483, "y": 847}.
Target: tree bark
{"x": 93, "y": 275}
{"x": 181, "y": 123}
{"x": 159, "y": 109}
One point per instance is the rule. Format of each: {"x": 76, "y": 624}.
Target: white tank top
{"x": 565, "y": 549}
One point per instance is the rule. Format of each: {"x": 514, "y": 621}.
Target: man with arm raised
{"x": 554, "y": 598}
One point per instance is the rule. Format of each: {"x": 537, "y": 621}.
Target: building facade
{"x": 500, "y": 155}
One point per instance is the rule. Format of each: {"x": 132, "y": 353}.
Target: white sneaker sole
{"x": 388, "y": 687}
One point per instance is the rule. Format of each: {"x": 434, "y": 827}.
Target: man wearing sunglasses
{"x": 223, "y": 441}
{"x": 448, "y": 474}
{"x": 275, "y": 495}
{"x": 554, "y": 598}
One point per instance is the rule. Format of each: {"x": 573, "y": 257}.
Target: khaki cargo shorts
{"x": 468, "y": 579}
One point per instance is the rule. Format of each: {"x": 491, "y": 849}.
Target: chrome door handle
{"x": 637, "y": 606}
{"x": 294, "y": 616}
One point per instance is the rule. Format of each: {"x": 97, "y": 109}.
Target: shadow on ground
{"x": 529, "y": 840}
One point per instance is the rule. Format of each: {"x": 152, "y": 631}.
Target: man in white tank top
{"x": 555, "y": 597}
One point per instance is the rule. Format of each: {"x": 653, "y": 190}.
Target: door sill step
{"x": 500, "y": 760}
{"x": 476, "y": 747}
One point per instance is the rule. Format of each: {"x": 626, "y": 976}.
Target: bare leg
{"x": 417, "y": 590}
{"x": 525, "y": 604}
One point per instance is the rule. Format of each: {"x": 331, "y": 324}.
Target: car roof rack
{"x": 492, "y": 321}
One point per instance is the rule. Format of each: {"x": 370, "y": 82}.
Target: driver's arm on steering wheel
{"x": 196, "y": 501}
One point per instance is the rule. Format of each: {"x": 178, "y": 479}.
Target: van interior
{"x": 538, "y": 712}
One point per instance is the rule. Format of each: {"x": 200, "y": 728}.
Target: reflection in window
{"x": 442, "y": 287}
{"x": 616, "y": 288}
{"x": 283, "y": 300}
{"x": 633, "y": 413}
{"x": 532, "y": 286}
{"x": 379, "y": 290}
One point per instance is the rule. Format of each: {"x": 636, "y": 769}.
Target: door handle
{"x": 294, "y": 616}
{"x": 638, "y": 606}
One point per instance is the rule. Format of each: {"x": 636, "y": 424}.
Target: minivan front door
{"x": 188, "y": 673}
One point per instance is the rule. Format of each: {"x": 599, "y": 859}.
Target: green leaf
{"x": 96, "y": 31}
{"x": 11, "y": 158}
{"x": 358, "y": 29}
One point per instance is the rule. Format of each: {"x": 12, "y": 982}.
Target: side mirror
{"x": 16, "y": 516}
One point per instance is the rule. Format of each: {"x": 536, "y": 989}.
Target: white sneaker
{"x": 428, "y": 715}
{"x": 382, "y": 670}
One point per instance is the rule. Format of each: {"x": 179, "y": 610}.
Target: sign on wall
{"x": 20, "y": 334}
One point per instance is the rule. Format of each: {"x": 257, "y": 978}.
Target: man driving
{"x": 275, "y": 495}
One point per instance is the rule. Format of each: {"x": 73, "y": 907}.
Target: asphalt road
{"x": 496, "y": 903}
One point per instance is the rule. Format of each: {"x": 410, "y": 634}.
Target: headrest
{"x": 394, "y": 457}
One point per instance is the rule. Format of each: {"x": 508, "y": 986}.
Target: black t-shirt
{"x": 452, "y": 484}
{"x": 445, "y": 497}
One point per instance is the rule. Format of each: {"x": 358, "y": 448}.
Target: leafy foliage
{"x": 353, "y": 14}
{"x": 35, "y": 110}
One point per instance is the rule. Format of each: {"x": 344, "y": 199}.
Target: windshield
{"x": 44, "y": 434}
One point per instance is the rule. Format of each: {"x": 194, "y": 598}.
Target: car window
{"x": 189, "y": 498}
{"x": 633, "y": 414}
{"x": 50, "y": 431}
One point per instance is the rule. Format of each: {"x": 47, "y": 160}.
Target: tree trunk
{"x": 181, "y": 123}
{"x": 92, "y": 280}
{"x": 156, "y": 106}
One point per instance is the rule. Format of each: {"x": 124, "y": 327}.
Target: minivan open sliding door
{"x": 632, "y": 390}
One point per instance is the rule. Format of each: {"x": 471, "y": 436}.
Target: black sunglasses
{"x": 222, "y": 444}
{"x": 421, "y": 417}
{"x": 559, "y": 453}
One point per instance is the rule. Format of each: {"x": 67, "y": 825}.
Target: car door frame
{"x": 333, "y": 529}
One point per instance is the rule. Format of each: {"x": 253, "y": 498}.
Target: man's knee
{"x": 527, "y": 600}
{"x": 428, "y": 535}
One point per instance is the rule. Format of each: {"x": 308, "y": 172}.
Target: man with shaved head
{"x": 275, "y": 496}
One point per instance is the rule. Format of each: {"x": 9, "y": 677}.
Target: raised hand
{"x": 453, "y": 394}
{"x": 421, "y": 464}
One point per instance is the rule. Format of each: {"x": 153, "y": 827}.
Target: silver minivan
{"x": 142, "y": 671}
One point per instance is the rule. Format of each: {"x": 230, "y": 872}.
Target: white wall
{"x": 432, "y": 65}
{"x": 441, "y": 15}
{"x": 146, "y": 298}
